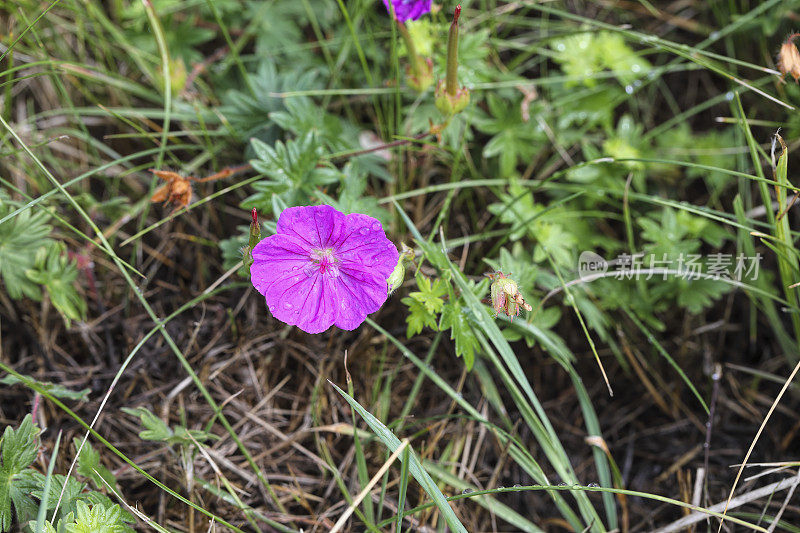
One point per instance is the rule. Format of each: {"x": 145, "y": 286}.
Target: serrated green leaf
{"x": 57, "y": 273}
{"x": 69, "y": 490}
{"x": 430, "y": 293}
{"x": 90, "y": 467}
{"x": 295, "y": 170}
{"x": 21, "y": 237}
{"x": 17, "y": 481}
{"x": 59, "y": 391}
{"x": 455, "y": 318}
{"x": 417, "y": 317}
{"x": 98, "y": 519}
{"x": 155, "y": 428}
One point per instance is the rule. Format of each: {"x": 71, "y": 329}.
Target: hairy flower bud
{"x": 789, "y": 58}
{"x": 505, "y": 295}
{"x": 255, "y": 238}
{"x": 255, "y": 229}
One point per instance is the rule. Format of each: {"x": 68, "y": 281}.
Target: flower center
{"x": 324, "y": 260}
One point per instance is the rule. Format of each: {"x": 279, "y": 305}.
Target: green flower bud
{"x": 419, "y": 72}
{"x": 399, "y": 273}
{"x": 255, "y": 230}
{"x": 255, "y": 238}
{"x": 420, "y": 77}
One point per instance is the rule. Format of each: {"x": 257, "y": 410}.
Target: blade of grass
{"x": 401, "y": 491}
{"x": 645, "y": 495}
{"x": 368, "y": 487}
{"x": 41, "y": 516}
{"x": 415, "y": 467}
{"x": 516, "y": 449}
{"x": 514, "y": 378}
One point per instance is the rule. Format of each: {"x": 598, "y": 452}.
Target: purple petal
{"x": 295, "y": 291}
{"x": 418, "y": 9}
{"x": 359, "y": 294}
{"x": 317, "y": 225}
{"x": 367, "y": 259}
{"x": 275, "y": 256}
{"x": 408, "y": 9}
{"x": 308, "y": 302}
{"x": 363, "y": 245}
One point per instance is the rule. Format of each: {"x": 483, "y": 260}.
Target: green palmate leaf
{"x": 425, "y": 304}
{"x": 303, "y": 115}
{"x": 416, "y": 469}
{"x": 57, "y": 273}
{"x": 90, "y": 467}
{"x": 513, "y": 139}
{"x": 249, "y": 115}
{"x": 17, "y": 481}
{"x": 696, "y": 295}
{"x": 157, "y": 430}
{"x": 20, "y": 239}
{"x": 69, "y": 490}
{"x": 585, "y": 55}
{"x": 418, "y": 317}
{"x": 352, "y": 198}
{"x": 183, "y": 35}
{"x": 546, "y": 226}
{"x": 294, "y": 170}
{"x": 454, "y": 317}
{"x": 280, "y": 23}
{"x": 98, "y": 519}
{"x": 430, "y": 293}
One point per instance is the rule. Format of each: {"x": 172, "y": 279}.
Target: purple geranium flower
{"x": 323, "y": 267}
{"x": 408, "y": 9}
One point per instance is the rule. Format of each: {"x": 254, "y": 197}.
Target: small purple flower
{"x": 408, "y": 9}
{"x": 323, "y": 267}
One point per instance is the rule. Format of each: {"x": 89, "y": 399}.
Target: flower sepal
{"x": 451, "y": 104}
